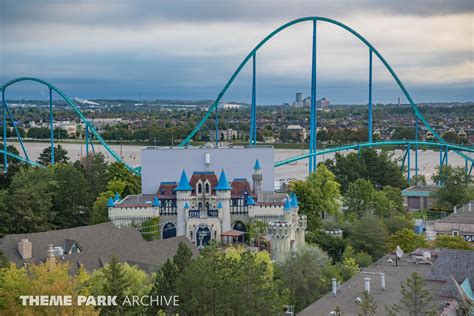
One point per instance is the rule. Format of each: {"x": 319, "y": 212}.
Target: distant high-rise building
{"x": 299, "y": 97}
{"x": 323, "y": 103}
{"x": 307, "y": 102}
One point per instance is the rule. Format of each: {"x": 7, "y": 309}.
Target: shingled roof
{"x": 98, "y": 244}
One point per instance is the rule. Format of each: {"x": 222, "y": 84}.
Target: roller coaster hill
{"x": 410, "y": 147}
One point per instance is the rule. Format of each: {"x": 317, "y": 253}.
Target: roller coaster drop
{"x": 90, "y": 131}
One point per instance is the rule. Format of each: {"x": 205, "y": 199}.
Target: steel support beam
{"x": 313, "y": 115}
{"x": 408, "y": 163}
{"x": 217, "y": 127}
{"x": 51, "y": 125}
{"x": 87, "y": 141}
{"x": 20, "y": 140}
{"x": 253, "y": 110}
{"x": 5, "y": 151}
{"x": 416, "y": 145}
{"x": 370, "y": 118}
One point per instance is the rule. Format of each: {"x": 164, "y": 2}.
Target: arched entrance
{"x": 238, "y": 225}
{"x": 169, "y": 230}
{"x": 203, "y": 236}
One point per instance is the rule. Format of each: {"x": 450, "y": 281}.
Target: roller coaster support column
{"x": 253, "y": 110}
{"x": 416, "y": 146}
{"x": 408, "y": 164}
{"x": 217, "y": 127}
{"x": 370, "y": 119}
{"x": 51, "y": 125}
{"x": 87, "y": 140}
{"x": 441, "y": 162}
{"x": 18, "y": 136}
{"x": 5, "y": 160}
{"x": 313, "y": 114}
{"x": 446, "y": 156}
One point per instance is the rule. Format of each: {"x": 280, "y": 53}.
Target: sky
{"x": 188, "y": 49}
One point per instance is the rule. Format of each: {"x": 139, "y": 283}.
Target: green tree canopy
{"x": 456, "y": 187}
{"x": 451, "y": 242}
{"x": 318, "y": 193}
{"x": 60, "y": 155}
{"x": 407, "y": 240}
{"x": 369, "y": 234}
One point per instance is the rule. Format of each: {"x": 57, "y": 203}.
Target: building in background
{"x": 323, "y": 103}
{"x": 419, "y": 197}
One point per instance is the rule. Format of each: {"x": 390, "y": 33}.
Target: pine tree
{"x": 183, "y": 257}
{"x": 368, "y": 306}
{"x": 116, "y": 284}
{"x": 60, "y": 155}
{"x": 415, "y": 299}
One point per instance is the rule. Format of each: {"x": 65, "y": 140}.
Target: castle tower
{"x": 183, "y": 195}
{"x": 257, "y": 179}
{"x": 300, "y": 231}
{"x": 223, "y": 197}
{"x": 280, "y": 239}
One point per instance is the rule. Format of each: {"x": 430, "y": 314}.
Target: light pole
{"x": 121, "y": 153}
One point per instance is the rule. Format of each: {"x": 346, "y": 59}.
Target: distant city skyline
{"x": 165, "y": 50}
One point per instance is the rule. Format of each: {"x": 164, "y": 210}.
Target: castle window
{"x": 199, "y": 188}
{"x": 207, "y": 188}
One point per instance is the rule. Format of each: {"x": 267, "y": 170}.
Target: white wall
{"x": 166, "y": 164}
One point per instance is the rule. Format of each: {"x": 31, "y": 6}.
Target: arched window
{"x": 199, "y": 188}
{"x": 200, "y": 205}
{"x": 207, "y": 188}
{"x": 207, "y": 206}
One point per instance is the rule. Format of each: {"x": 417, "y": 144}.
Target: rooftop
{"x": 423, "y": 191}
{"x": 98, "y": 243}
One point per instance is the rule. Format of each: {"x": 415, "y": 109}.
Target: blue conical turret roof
{"x": 257, "y": 165}
{"x": 183, "y": 184}
{"x": 156, "y": 202}
{"x": 294, "y": 200}
{"x": 219, "y": 205}
{"x": 117, "y": 196}
{"x": 186, "y": 205}
{"x": 110, "y": 202}
{"x": 250, "y": 200}
{"x": 222, "y": 184}
{"x": 287, "y": 206}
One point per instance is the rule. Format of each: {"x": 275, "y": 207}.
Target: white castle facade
{"x": 206, "y": 208}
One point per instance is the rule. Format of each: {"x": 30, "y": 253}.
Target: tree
{"x": 362, "y": 259}
{"x": 415, "y": 299}
{"x": 333, "y": 245}
{"x": 368, "y": 307}
{"x": 4, "y": 262}
{"x": 43, "y": 279}
{"x": 451, "y": 242}
{"x": 455, "y": 189}
{"x": 407, "y": 240}
{"x": 164, "y": 282}
{"x": 60, "y": 155}
{"x": 94, "y": 168}
{"x": 118, "y": 171}
{"x": 304, "y": 276}
{"x": 115, "y": 283}
{"x": 358, "y": 197}
{"x": 216, "y": 284}
{"x": 317, "y": 194}
{"x": 29, "y": 202}
{"x": 369, "y": 235}
{"x": 418, "y": 180}
{"x": 71, "y": 196}
{"x": 150, "y": 229}
{"x": 398, "y": 222}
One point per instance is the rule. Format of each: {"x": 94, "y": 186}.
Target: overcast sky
{"x": 182, "y": 49}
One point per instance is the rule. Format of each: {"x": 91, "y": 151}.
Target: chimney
{"x": 25, "y": 249}
{"x": 50, "y": 259}
{"x": 367, "y": 284}
{"x": 334, "y": 286}
{"x": 455, "y": 211}
{"x": 382, "y": 280}
{"x": 469, "y": 207}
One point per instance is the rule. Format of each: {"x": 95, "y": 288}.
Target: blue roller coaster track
{"x": 410, "y": 145}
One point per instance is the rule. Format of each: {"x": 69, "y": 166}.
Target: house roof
{"x": 203, "y": 176}
{"x": 419, "y": 191}
{"x": 98, "y": 244}
{"x": 439, "y": 289}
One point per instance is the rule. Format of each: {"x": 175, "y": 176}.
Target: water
{"x": 427, "y": 160}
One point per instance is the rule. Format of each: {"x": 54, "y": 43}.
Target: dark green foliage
{"x": 118, "y": 171}
{"x": 116, "y": 284}
{"x": 4, "y": 262}
{"x": 379, "y": 168}
{"x": 456, "y": 189}
{"x": 215, "y": 284}
{"x": 368, "y": 307}
{"x": 333, "y": 245}
{"x": 415, "y": 298}
{"x": 369, "y": 234}
{"x": 60, "y": 155}
{"x": 94, "y": 170}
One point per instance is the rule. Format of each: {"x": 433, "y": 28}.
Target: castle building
{"x": 206, "y": 207}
